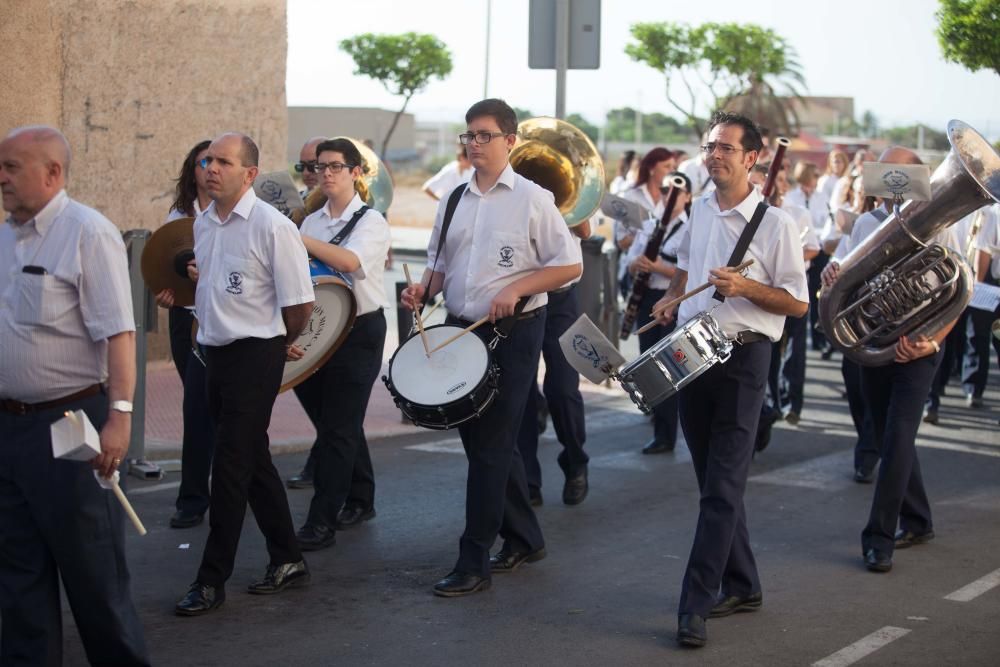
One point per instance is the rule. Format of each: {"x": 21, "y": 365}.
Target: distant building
{"x": 355, "y": 122}
{"x": 823, "y": 115}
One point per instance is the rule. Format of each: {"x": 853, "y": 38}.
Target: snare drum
{"x": 674, "y": 361}
{"x": 331, "y": 320}
{"x": 454, "y": 385}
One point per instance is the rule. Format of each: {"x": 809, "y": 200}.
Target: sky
{"x": 882, "y": 52}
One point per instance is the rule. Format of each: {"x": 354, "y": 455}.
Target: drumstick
{"x": 416, "y": 314}
{"x": 433, "y": 308}
{"x": 462, "y": 333}
{"x": 683, "y": 297}
{"x": 127, "y": 506}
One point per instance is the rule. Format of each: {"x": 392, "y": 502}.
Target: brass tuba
{"x": 894, "y": 283}
{"x": 562, "y": 159}
{"x": 374, "y": 175}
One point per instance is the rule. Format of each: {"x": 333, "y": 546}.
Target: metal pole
{"x": 486, "y": 72}
{"x": 562, "y": 55}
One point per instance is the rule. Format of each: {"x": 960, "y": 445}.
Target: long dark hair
{"x": 650, "y": 160}
{"x": 186, "y": 191}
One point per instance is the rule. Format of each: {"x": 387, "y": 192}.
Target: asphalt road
{"x": 607, "y": 593}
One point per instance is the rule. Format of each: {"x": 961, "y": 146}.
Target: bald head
{"x": 899, "y": 155}
{"x": 307, "y": 156}
{"x": 34, "y": 162}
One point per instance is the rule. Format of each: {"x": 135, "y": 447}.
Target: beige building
{"x": 820, "y": 115}
{"x": 356, "y": 122}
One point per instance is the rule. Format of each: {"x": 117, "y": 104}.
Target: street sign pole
{"x": 562, "y": 55}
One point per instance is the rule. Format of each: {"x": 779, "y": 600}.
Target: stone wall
{"x": 135, "y": 83}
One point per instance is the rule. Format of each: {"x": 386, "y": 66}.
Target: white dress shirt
{"x": 369, "y": 242}
{"x": 447, "y": 179}
{"x": 54, "y": 326}
{"x": 694, "y": 168}
{"x": 250, "y": 266}
{"x": 495, "y": 238}
{"x": 988, "y": 239}
{"x": 815, "y": 203}
{"x": 174, "y": 214}
{"x": 668, "y": 247}
{"x": 803, "y": 221}
{"x": 867, "y": 223}
{"x": 776, "y": 250}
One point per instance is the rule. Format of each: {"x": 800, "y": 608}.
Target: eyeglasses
{"x": 725, "y": 149}
{"x": 483, "y": 137}
{"x": 309, "y": 166}
{"x": 335, "y": 167}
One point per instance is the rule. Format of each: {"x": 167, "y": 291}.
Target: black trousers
{"x": 58, "y": 522}
{"x": 895, "y": 395}
{"x": 791, "y": 362}
{"x": 866, "y": 450}
{"x": 496, "y": 490}
{"x": 814, "y": 281}
{"x": 664, "y": 414}
{"x": 976, "y": 366}
{"x": 180, "y": 320}
{"x": 562, "y": 395}
{"x": 243, "y": 381}
{"x": 198, "y": 445}
{"x": 719, "y": 414}
{"x": 336, "y": 398}
{"x": 954, "y": 354}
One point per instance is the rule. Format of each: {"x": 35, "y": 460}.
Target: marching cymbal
{"x": 165, "y": 257}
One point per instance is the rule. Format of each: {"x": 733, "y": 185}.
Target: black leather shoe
{"x": 906, "y": 539}
{"x": 304, "y": 480}
{"x": 575, "y": 489}
{"x": 279, "y": 577}
{"x": 861, "y": 476}
{"x": 535, "y": 497}
{"x": 313, "y": 537}
{"x": 200, "y": 599}
{"x": 876, "y": 561}
{"x": 185, "y": 519}
{"x": 792, "y": 417}
{"x": 457, "y": 584}
{"x": 732, "y": 605}
{"x": 691, "y": 630}
{"x": 655, "y": 446}
{"x": 352, "y": 517}
{"x": 508, "y": 561}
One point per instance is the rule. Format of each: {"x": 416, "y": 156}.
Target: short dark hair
{"x": 250, "y": 154}
{"x": 751, "y": 140}
{"x": 346, "y": 148}
{"x": 496, "y": 108}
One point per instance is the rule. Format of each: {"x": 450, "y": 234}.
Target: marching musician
{"x": 198, "y": 442}
{"x": 449, "y": 176}
{"x": 976, "y": 366}
{"x": 894, "y": 395}
{"x": 506, "y": 241}
{"x": 352, "y": 238}
{"x": 661, "y": 271}
{"x": 68, "y": 344}
{"x": 254, "y": 296}
{"x": 719, "y": 410}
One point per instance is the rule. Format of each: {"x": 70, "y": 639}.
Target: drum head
{"x": 331, "y": 320}
{"x": 449, "y": 374}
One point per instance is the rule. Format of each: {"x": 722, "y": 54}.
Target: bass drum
{"x": 452, "y": 386}
{"x": 331, "y": 320}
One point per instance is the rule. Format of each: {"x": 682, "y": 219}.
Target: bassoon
{"x": 651, "y": 252}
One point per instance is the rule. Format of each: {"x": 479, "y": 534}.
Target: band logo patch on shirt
{"x": 235, "y": 283}
{"x": 506, "y": 257}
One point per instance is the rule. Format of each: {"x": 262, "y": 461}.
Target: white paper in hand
{"x": 909, "y": 181}
{"x": 589, "y": 352}
{"x": 74, "y": 438}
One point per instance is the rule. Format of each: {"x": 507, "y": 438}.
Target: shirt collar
{"x": 745, "y": 208}
{"x": 507, "y": 178}
{"x": 44, "y": 218}
{"x": 243, "y": 208}
{"x": 353, "y": 207}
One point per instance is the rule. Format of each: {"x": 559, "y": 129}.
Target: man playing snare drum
{"x": 719, "y": 410}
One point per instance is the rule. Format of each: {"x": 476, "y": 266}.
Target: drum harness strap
{"x": 502, "y": 328}
{"x": 737, "y": 256}
{"x": 349, "y": 227}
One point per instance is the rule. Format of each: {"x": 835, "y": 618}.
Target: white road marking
{"x": 445, "y": 446}
{"x": 153, "y": 488}
{"x": 863, "y": 647}
{"x": 976, "y": 588}
{"x": 825, "y": 473}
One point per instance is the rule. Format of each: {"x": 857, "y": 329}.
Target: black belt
{"x": 747, "y": 336}
{"x": 19, "y": 408}
{"x": 530, "y": 315}
{"x": 374, "y": 313}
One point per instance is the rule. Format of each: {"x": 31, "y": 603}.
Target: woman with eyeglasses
{"x": 198, "y": 442}
{"x": 661, "y": 270}
{"x": 354, "y": 239}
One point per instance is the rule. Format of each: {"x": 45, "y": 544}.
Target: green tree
{"x": 522, "y": 114}
{"x": 749, "y": 69}
{"x": 909, "y": 136}
{"x": 658, "y": 128}
{"x": 404, "y": 64}
{"x": 969, "y": 33}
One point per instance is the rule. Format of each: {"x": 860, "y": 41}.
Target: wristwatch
{"x": 121, "y": 406}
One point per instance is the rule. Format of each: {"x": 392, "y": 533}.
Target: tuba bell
{"x": 375, "y": 177}
{"x": 559, "y": 157}
{"x": 894, "y": 283}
